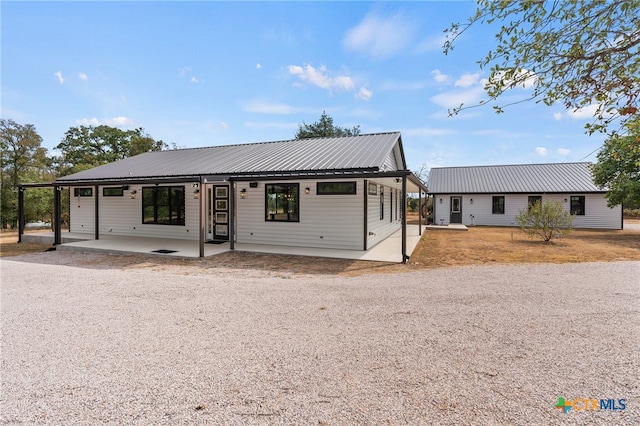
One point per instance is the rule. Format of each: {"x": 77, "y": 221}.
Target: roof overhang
{"x": 414, "y": 184}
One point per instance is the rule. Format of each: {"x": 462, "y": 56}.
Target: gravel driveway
{"x": 473, "y": 345}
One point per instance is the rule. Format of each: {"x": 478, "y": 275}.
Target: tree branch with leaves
{"x": 577, "y": 52}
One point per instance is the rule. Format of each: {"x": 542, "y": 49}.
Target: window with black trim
{"x": 163, "y": 205}
{"x": 381, "y": 202}
{"x": 578, "y": 205}
{"x": 83, "y": 192}
{"x": 336, "y": 188}
{"x": 533, "y": 199}
{"x": 282, "y": 202}
{"x": 497, "y": 204}
{"x": 113, "y": 192}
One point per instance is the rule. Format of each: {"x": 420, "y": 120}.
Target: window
{"x": 339, "y": 188}
{"x": 113, "y": 192}
{"x": 82, "y": 192}
{"x": 382, "y": 203}
{"x": 497, "y": 204}
{"x": 282, "y": 202}
{"x": 391, "y": 206}
{"x": 163, "y": 205}
{"x": 373, "y": 189}
{"x": 533, "y": 199}
{"x": 577, "y": 205}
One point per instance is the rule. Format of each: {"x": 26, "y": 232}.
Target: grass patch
{"x": 489, "y": 245}
{"x": 9, "y": 245}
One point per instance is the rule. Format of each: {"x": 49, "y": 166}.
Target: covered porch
{"x": 388, "y": 250}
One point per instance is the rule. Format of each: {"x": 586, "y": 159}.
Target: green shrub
{"x": 546, "y": 219}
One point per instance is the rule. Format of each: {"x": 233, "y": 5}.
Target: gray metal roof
{"x": 520, "y": 178}
{"x": 363, "y": 152}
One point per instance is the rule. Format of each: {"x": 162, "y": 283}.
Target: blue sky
{"x": 215, "y": 73}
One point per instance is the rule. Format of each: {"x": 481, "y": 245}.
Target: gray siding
{"x": 597, "y": 214}
{"x": 123, "y": 216}
{"x": 379, "y": 229}
{"x": 326, "y": 221}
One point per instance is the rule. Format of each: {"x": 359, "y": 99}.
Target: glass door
{"x": 220, "y": 209}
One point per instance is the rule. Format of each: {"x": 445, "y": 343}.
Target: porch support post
{"x": 203, "y": 217}
{"x": 20, "y": 212}
{"x": 365, "y": 222}
{"x": 404, "y": 219}
{"x": 420, "y": 210}
{"x": 57, "y": 213}
{"x": 232, "y": 214}
{"x": 97, "y": 218}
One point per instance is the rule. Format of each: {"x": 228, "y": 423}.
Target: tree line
{"x": 23, "y": 159}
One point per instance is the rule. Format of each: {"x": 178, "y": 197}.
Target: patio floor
{"x": 389, "y": 250}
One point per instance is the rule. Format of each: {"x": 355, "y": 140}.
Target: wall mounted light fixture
{"x": 134, "y": 194}
{"x": 471, "y": 201}
{"x": 440, "y": 200}
{"x": 243, "y": 193}
{"x": 307, "y": 190}
{"x": 196, "y": 193}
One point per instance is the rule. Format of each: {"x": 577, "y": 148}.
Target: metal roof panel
{"x": 522, "y": 178}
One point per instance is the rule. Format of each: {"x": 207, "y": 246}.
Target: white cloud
{"x": 187, "y": 72}
{"x": 563, "y": 151}
{"x": 583, "y": 113}
{"x": 431, "y": 44}
{"x": 59, "y": 76}
{"x": 264, "y": 107}
{"x": 453, "y": 99}
{"x": 320, "y": 77}
{"x": 82, "y": 76}
{"x": 113, "y": 122}
{"x": 364, "y": 94}
{"x": 523, "y": 79}
{"x": 258, "y": 66}
{"x": 440, "y": 77}
{"x": 380, "y": 37}
{"x": 88, "y": 122}
{"x": 467, "y": 80}
{"x": 540, "y": 150}
{"x": 557, "y": 116}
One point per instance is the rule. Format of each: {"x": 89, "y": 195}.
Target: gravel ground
{"x": 473, "y": 345}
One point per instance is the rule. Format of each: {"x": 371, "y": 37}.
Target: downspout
{"x": 97, "y": 219}
{"x": 203, "y": 213}
{"x": 404, "y": 220}
{"x": 20, "y": 212}
{"x": 57, "y": 226}
{"x": 365, "y": 222}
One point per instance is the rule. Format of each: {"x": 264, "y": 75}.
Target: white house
{"x": 495, "y": 195}
{"x": 339, "y": 193}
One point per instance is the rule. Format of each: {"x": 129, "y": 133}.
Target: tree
{"x": 22, "y": 158}
{"x": 583, "y": 53}
{"x": 545, "y": 219}
{"x": 324, "y": 128}
{"x": 85, "y": 147}
{"x": 618, "y": 168}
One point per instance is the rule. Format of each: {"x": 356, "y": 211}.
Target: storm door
{"x": 218, "y": 213}
{"x": 456, "y": 210}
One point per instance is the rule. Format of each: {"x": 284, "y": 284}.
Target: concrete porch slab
{"x": 388, "y": 250}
